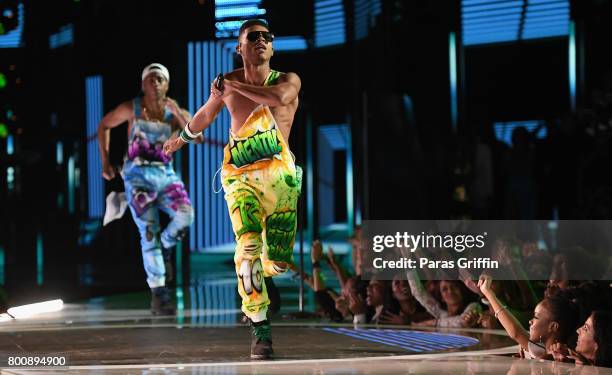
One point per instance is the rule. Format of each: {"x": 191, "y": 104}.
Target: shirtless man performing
{"x": 259, "y": 177}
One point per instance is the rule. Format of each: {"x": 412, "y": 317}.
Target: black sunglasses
{"x": 253, "y": 36}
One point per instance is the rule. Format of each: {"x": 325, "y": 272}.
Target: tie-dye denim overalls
{"x": 152, "y": 185}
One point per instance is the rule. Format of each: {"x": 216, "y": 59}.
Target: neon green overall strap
{"x": 272, "y": 78}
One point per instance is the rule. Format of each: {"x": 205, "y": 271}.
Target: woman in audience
{"x": 455, "y": 307}
{"x": 594, "y": 346}
{"x": 554, "y": 320}
{"x": 410, "y": 311}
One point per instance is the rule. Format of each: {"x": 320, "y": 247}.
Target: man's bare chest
{"x": 240, "y": 108}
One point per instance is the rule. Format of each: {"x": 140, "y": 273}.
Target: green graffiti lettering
{"x": 238, "y": 161}
{"x": 275, "y": 145}
{"x": 256, "y": 147}
{"x": 261, "y": 138}
{"x": 249, "y": 210}
{"x": 272, "y": 220}
{"x": 288, "y": 221}
{"x": 281, "y": 231}
{"x": 272, "y": 236}
{"x": 243, "y": 154}
{"x": 267, "y": 138}
{"x": 292, "y": 221}
{"x": 283, "y": 221}
{"x": 248, "y": 147}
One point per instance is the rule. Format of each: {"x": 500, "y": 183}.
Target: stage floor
{"x": 131, "y": 341}
{"x": 118, "y": 335}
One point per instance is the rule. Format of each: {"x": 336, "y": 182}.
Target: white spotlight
{"x": 5, "y": 318}
{"x": 26, "y": 311}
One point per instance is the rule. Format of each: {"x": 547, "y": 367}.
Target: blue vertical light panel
{"x": 452, "y": 52}
{"x": 71, "y": 184}
{"x": 1, "y": 265}
{"x": 211, "y": 226}
{"x": 572, "y": 66}
{"x": 95, "y": 186}
{"x": 39, "y": 259}
{"x": 10, "y": 145}
{"x": 350, "y": 200}
{"x": 329, "y": 22}
{"x": 335, "y": 137}
{"x": 59, "y": 153}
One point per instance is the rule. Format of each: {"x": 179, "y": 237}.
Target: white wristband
{"x": 189, "y": 133}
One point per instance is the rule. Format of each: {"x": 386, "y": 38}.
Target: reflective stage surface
{"x": 118, "y": 335}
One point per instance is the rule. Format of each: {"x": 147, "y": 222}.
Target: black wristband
{"x": 316, "y": 264}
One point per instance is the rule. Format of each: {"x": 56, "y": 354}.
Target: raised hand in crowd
{"x": 387, "y": 317}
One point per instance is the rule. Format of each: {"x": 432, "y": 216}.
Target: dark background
{"x": 408, "y": 164}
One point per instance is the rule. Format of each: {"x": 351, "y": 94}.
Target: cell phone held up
{"x": 219, "y": 84}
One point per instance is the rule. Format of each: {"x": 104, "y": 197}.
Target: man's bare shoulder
{"x": 124, "y": 111}
{"x": 235, "y": 75}
{"x": 289, "y": 77}
{"x": 126, "y": 106}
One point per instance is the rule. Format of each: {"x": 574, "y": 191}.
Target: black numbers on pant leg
{"x": 257, "y": 277}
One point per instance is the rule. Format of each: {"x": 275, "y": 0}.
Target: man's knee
{"x": 185, "y": 215}
{"x": 249, "y": 245}
{"x": 272, "y": 268}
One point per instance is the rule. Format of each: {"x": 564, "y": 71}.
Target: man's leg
{"x": 246, "y": 215}
{"x": 175, "y": 202}
{"x": 281, "y": 225}
{"x": 279, "y": 239}
{"x": 146, "y": 216}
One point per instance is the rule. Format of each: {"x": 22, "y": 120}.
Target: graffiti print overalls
{"x": 261, "y": 185}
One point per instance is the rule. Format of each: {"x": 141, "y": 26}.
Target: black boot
{"x": 261, "y": 343}
{"x": 161, "y": 301}
{"x": 167, "y": 255}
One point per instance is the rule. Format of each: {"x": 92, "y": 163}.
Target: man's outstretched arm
{"x": 111, "y": 120}
{"x": 283, "y": 93}
{"x": 200, "y": 121}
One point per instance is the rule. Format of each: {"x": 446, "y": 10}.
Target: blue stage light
{"x": 230, "y": 14}
{"x": 10, "y": 145}
{"x": 13, "y": 38}
{"x": 486, "y": 21}
{"x": 290, "y": 43}
{"x": 64, "y": 37}
{"x": 95, "y": 185}
{"x": 503, "y": 130}
{"x": 491, "y": 13}
{"x": 452, "y": 52}
{"x": 329, "y": 23}
{"x": 572, "y": 66}
{"x": 247, "y": 12}
{"x": 211, "y": 226}
{"x": 493, "y": 6}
